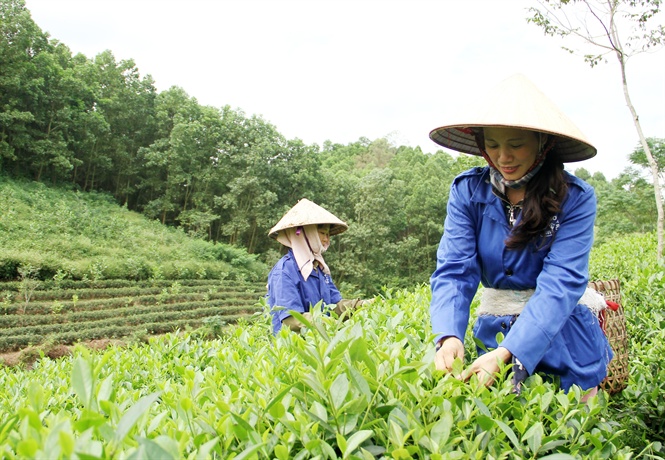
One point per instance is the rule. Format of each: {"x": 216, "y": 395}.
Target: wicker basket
{"x": 614, "y": 326}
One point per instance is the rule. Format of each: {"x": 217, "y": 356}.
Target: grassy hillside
{"x": 50, "y": 233}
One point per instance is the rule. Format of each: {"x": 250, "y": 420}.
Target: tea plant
{"x": 29, "y": 282}
{"x": 362, "y": 388}
{"x": 640, "y": 408}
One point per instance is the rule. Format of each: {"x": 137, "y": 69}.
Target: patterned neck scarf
{"x": 497, "y": 179}
{"x": 306, "y": 246}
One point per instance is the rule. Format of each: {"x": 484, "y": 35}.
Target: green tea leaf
{"x": 132, "y": 416}
{"x": 338, "y": 391}
{"x": 278, "y": 397}
{"x": 250, "y": 451}
{"x": 440, "y": 432}
{"x": 281, "y": 452}
{"x": 152, "y": 449}
{"x": 534, "y": 437}
{"x": 36, "y": 396}
{"x": 7, "y": 427}
{"x": 482, "y": 407}
{"x": 355, "y": 441}
{"x": 27, "y": 448}
{"x": 82, "y": 382}
{"x": 67, "y": 443}
{"x": 558, "y": 457}
{"x": 485, "y": 422}
{"x": 341, "y": 442}
{"x": 509, "y": 432}
{"x": 360, "y": 383}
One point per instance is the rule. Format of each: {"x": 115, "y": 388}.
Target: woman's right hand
{"x": 451, "y": 348}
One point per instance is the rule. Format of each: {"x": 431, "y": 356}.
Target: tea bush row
{"x": 58, "y": 283}
{"x": 29, "y": 323}
{"x": 11, "y": 323}
{"x": 112, "y": 328}
{"x": 44, "y": 293}
{"x": 20, "y": 309}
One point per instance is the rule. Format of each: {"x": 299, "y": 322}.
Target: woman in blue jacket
{"x": 522, "y": 227}
{"x": 301, "y": 279}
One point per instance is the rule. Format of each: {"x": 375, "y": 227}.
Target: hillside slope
{"x": 52, "y": 233}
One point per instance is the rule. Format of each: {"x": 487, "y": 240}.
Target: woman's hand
{"x": 294, "y": 324}
{"x": 451, "y": 348}
{"x": 487, "y": 366}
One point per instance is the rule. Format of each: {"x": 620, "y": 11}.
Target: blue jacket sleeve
{"x": 457, "y": 275}
{"x": 561, "y": 282}
{"x": 335, "y": 295}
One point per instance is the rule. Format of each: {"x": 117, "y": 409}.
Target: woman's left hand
{"x": 487, "y": 366}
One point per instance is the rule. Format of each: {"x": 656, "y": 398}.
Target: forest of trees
{"x": 220, "y": 174}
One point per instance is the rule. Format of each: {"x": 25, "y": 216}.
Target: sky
{"x": 340, "y": 70}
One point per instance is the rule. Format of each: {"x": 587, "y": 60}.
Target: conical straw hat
{"x": 515, "y": 103}
{"x": 306, "y": 212}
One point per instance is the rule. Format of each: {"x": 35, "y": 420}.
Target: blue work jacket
{"x": 287, "y": 288}
{"x": 553, "y": 333}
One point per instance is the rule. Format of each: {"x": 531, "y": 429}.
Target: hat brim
{"x": 457, "y": 137}
{"x": 515, "y": 103}
{"x": 306, "y": 212}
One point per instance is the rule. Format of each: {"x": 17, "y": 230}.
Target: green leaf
{"x": 509, "y": 432}
{"x": 242, "y": 429}
{"x": 546, "y": 400}
{"x": 482, "y": 407}
{"x": 338, "y": 391}
{"x": 278, "y": 397}
{"x": 441, "y": 430}
{"x": 341, "y": 442}
{"x": 358, "y": 349}
{"x": 88, "y": 419}
{"x": 82, "y": 382}
{"x": 281, "y": 452}
{"x": 307, "y": 357}
{"x": 67, "y": 443}
{"x": 132, "y": 416}
{"x": 106, "y": 390}
{"x": 360, "y": 383}
{"x": 36, "y": 396}
{"x": 151, "y": 449}
{"x": 486, "y": 423}
{"x": 28, "y": 448}
{"x": 355, "y": 441}
{"x": 251, "y": 450}
{"x": 7, "y": 427}
{"x": 534, "y": 437}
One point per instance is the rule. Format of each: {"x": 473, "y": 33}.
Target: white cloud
{"x": 338, "y": 70}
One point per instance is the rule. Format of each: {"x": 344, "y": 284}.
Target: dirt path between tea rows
{"x": 28, "y": 356}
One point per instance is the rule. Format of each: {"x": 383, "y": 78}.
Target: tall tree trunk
{"x": 643, "y": 141}
{"x": 252, "y": 239}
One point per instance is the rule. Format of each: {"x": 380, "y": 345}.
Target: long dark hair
{"x": 544, "y": 195}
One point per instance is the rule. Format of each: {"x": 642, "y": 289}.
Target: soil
{"x": 28, "y": 356}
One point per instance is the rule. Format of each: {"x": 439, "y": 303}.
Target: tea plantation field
{"x": 364, "y": 388}
{"x": 33, "y": 312}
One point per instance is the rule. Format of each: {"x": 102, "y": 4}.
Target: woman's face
{"x": 324, "y": 236}
{"x": 513, "y": 151}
